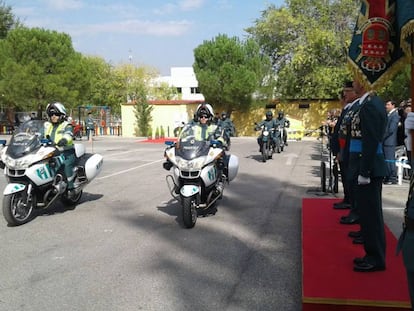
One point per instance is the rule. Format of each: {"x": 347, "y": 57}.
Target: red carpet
{"x": 158, "y": 140}
{"x": 329, "y": 283}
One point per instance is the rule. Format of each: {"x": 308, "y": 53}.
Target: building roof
{"x": 169, "y": 102}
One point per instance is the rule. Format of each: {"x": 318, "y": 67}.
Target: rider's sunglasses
{"x": 54, "y": 114}
{"x": 204, "y": 116}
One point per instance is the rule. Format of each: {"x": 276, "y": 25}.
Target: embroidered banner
{"x": 377, "y": 50}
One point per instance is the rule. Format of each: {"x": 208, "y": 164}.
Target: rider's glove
{"x": 62, "y": 142}
{"x": 363, "y": 180}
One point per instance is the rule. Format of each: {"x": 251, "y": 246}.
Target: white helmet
{"x": 56, "y": 108}
{"x": 205, "y": 109}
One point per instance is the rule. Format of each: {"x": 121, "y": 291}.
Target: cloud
{"x": 183, "y": 5}
{"x": 62, "y": 5}
{"x": 136, "y": 27}
{"x": 166, "y": 9}
{"x": 224, "y": 4}
{"x": 189, "y": 5}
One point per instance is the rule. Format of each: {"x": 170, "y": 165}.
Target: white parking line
{"x": 128, "y": 170}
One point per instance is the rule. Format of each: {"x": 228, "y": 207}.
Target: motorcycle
{"x": 267, "y": 146}
{"x": 279, "y": 144}
{"x": 200, "y": 171}
{"x": 33, "y": 167}
{"x": 77, "y": 131}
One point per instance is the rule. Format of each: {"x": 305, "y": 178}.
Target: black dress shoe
{"x": 359, "y": 240}
{"x": 341, "y": 205}
{"x": 349, "y": 220}
{"x": 350, "y": 215}
{"x": 354, "y": 234}
{"x": 367, "y": 267}
{"x": 359, "y": 260}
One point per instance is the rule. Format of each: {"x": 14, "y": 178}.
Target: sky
{"x": 156, "y": 33}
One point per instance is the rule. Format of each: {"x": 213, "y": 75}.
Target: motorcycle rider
{"x": 204, "y": 128}
{"x": 284, "y": 123}
{"x": 226, "y": 124}
{"x": 269, "y": 123}
{"x": 60, "y": 132}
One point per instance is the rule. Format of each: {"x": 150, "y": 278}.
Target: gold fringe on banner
{"x": 383, "y": 79}
{"x": 407, "y": 31}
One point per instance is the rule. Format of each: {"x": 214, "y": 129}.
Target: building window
{"x": 195, "y": 90}
{"x": 179, "y": 90}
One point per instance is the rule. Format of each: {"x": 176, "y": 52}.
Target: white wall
{"x": 183, "y": 77}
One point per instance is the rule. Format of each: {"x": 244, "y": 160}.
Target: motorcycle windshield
{"x": 26, "y": 138}
{"x": 189, "y": 146}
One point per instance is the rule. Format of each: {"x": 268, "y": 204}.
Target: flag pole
{"x": 412, "y": 69}
{"x": 412, "y": 93}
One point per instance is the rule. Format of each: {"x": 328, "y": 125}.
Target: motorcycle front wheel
{"x": 269, "y": 151}
{"x": 264, "y": 152}
{"x": 278, "y": 148}
{"x": 189, "y": 211}
{"x": 16, "y": 211}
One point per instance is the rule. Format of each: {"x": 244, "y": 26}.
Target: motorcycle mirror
{"x": 216, "y": 143}
{"x": 3, "y": 142}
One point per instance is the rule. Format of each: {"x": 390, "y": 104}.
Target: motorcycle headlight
{"x": 16, "y": 163}
{"x": 265, "y": 133}
{"x": 192, "y": 165}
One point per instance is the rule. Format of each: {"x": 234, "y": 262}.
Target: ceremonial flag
{"x": 381, "y": 43}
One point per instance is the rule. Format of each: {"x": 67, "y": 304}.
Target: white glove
{"x": 363, "y": 180}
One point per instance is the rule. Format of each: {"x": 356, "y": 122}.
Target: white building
{"x": 184, "y": 79}
{"x": 168, "y": 114}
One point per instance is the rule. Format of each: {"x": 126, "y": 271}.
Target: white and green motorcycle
{"x": 200, "y": 171}
{"x": 33, "y": 167}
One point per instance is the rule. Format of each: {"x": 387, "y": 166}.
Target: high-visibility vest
{"x": 209, "y": 132}
{"x": 58, "y": 131}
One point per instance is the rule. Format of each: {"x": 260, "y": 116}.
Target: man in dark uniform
{"x": 339, "y": 143}
{"x": 367, "y": 168}
{"x": 284, "y": 123}
{"x": 345, "y": 138}
{"x": 268, "y": 123}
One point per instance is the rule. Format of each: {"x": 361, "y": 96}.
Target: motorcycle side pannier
{"x": 92, "y": 165}
{"x": 233, "y": 166}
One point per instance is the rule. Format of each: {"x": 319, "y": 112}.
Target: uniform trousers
{"x": 407, "y": 247}
{"x": 343, "y": 166}
{"x": 368, "y": 199}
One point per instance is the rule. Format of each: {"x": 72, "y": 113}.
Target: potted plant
{"x": 149, "y": 133}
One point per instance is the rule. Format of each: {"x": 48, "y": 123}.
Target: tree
{"x": 307, "y": 42}
{"x": 8, "y": 20}
{"x": 162, "y": 90}
{"x": 230, "y": 71}
{"x": 136, "y": 80}
{"x": 104, "y": 85}
{"x": 399, "y": 88}
{"x": 39, "y": 66}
